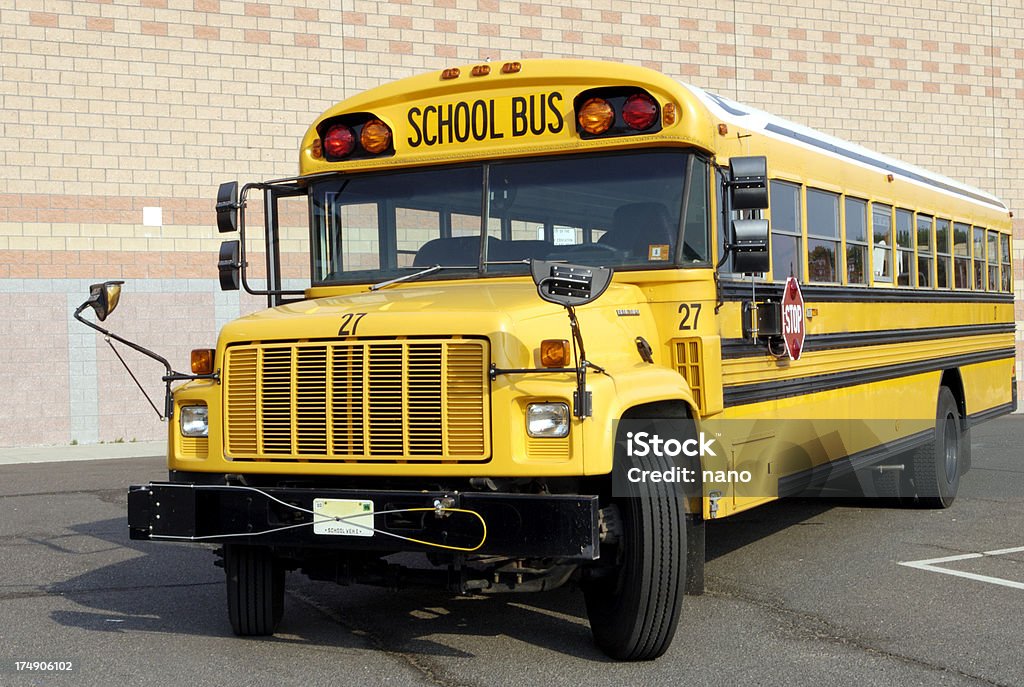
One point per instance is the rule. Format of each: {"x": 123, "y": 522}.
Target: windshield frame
{"x": 694, "y": 161}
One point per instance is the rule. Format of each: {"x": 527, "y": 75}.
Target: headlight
{"x": 547, "y": 420}
{"x": 194, "y": 421}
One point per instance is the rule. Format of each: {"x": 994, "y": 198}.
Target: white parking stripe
{"x": 932, "y": 564}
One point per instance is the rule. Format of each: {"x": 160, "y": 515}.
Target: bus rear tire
{"x": 937, "y": 465}
{"x": 255, "y": 589}
{"x": 634, "y": 611}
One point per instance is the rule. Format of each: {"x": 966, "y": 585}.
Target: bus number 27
{"x": 349, "y": 322}
{"x": 687, "y": 309}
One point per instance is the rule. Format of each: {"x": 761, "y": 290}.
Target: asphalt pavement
{"x": 800, "y": 592}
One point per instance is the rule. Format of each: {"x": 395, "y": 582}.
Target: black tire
{"x": 634, "y": 611}
{"x": 935, "y": 467}
{"x": 255, "y": 587}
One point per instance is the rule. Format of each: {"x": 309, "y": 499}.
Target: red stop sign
{"x": 793, "y": 319}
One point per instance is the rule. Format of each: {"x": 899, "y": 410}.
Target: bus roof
{"x": 753, "y": 119}
{"x": 401, "y": 102}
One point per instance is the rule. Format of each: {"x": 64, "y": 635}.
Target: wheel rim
{"x": 952, "y": 445}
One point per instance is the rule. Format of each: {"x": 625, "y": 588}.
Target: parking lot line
{"x": 932, "y": 564}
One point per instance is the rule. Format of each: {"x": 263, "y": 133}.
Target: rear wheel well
{"x": 951, "y": 380}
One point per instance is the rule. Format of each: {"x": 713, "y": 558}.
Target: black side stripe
{"x": 813, "y": 293}
{"x": 758, "y": 392}
{"x": 884, "y": 166}
{"x": 991, "y": 413}
{"x": 819, "y": 475}
{"x": 800, "y": 482}
{"x": 743, "y": 348}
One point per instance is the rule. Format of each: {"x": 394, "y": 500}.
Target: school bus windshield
{"x": 620, "y": 210}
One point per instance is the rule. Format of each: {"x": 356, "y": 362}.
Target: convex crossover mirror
{"x": 569, "y": 285}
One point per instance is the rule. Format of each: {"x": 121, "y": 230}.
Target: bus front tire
{"x": 937, "y": 465}
{"x": 634, "y": 612}
{"x": 255, "y": 590}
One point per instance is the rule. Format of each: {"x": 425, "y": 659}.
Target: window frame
{"x": 927, "y": 253}
{"x": 863, "y": 244}
{"x": 886, "y": 248}
{"x": 796, "y": 233}
{"x": 835, "y": 240}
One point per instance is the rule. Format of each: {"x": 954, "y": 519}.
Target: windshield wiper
{"x": 421, "y": 273}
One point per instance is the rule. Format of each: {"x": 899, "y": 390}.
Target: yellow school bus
{"x": 560, "y": 315}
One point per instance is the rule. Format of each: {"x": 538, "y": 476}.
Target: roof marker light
{"x": 668, "y": 114}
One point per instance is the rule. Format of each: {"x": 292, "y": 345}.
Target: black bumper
{"x": 520, "y": 525}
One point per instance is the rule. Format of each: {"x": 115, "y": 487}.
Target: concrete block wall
{"x": 108, "y": 107}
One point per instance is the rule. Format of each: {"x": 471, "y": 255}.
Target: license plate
{"x": 358, "y": 516}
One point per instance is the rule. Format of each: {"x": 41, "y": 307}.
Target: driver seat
{"x": 638, "y": 226}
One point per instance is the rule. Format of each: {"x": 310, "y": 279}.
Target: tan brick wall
{"x": 109, "y": 107}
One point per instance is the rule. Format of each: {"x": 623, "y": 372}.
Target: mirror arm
{"x": 145, "y": 351}
{"x": 169, "y": 374}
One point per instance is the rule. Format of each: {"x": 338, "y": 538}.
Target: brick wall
{"x": 108, "y": 107}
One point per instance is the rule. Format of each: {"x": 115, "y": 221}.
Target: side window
{"x": 924, "y": 251}
{"x": 822, "y": 236}
{"x": 993, "y": 261}
{"x": 881, "y": 230}
{"x": 943, "y": 268}
{"x": 1004, "y": 252}
{"x": 856, "y": 241}
{"x": 786, "y": 230}
{"x": 905, "y": 246}
{"x": 979, "y": 258}
{"x": 962, "y": 255}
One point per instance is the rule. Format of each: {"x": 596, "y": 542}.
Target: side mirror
{"x": 103, "y": 298}
{"x": 749, "y": 245}
{"x": 228, "y": 265}
{"x": 749, "y": 183}
{"x": 569, "y": 285}
{"x": 227, "y": 207}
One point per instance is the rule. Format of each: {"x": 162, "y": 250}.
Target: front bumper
{"x": 518, "y": 525}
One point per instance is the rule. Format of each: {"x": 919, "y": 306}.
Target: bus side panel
{"x": 987, "y": 385}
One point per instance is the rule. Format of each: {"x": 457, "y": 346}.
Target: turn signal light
{"x": 375, "y": 136}
{"x": 202, "y": 361}
{"x": 596, "y": 116}
{"x": 554, "y": 353}
{"x": 339, "y": 141}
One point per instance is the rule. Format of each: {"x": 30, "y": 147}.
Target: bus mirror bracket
{"x": 569, "y": 286}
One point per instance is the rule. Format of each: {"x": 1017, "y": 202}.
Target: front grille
{"x": 369, "y": 400}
